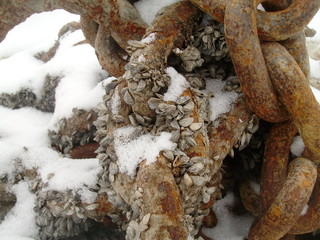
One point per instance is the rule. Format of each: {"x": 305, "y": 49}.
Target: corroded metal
{"x": 271, "y": 26}
{"x": 246, "y": 54}
{"x": 310, "y": 221}
{"x": 275, "y": 163}
{"x": 295, "y": 93}
{"x": 289, "y": 202}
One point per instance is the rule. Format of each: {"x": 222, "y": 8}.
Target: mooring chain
{"x": 268, "y": 73}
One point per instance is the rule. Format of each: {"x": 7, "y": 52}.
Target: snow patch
{"x": 222, "y": 100}
{"x": 148, "y": 8}
{"x": 297, "y": 146}
{"x": 20, "y": 223}
{"x": 229, "y": 227}
{"x": 177, "y": 85}
{"x": 131, "y": 148}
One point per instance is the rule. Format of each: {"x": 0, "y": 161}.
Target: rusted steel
{"x": 310, "y": 221}
{"x": 242, "y": 39}
{"x": 124, "y": 22}
{"x": 10, "y": 16}
{"x": 85, "y": 151}
{"x": 89, "y": 28}
{"x": 271, "y": 26}
{"x": 275, "y": 163}
{"x": 296, "y": 44}
{"x": 109, "y": 53}
{"x": 295, "y": 93}
{"x": 161, "y": 198}
{"x": 284, "y": 24}
{"x": 250, "y": 199}
{"x": 214, "y": 8}
{"x": 288, "y": 204}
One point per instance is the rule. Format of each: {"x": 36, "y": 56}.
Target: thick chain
{"x": 274, "y": 81}
{"x": 270, "y": 72}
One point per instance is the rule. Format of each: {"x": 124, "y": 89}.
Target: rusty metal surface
{"x": 247, "y": 58}
{"x": 310, "y": 221}
{"x": 271, "y": 26}
{"x": 275, "y": 162}
{"x": 289, "y": 202}
{"x": 295, "y": 93}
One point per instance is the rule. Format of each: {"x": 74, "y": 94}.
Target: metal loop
{"x": 242, "y": 39}
{"x": 272, "y": 26}
{"x": 289, "y": 203}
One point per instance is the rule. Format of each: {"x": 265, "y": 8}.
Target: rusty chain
{"x": 270, "y": 58}
{"x": 274, "y": 81}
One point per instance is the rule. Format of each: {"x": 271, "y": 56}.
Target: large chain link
{"x": 273, "y": 79}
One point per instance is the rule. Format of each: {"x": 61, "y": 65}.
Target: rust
{"x": 89, "y": 28}
{"x": 242, "y": 39}
{"x": 275, "y": 162}
{"x": 169, "y": 203}
{"x": 250, "y": 199}
{"x": 211, "y": 220}
{"x": 310, "y": 221}
{"x": 289, "y": 202}
{"x": 85, "y": 151}
{"x": 295, "y": 93}
{"x": 108, "y": 53}
{"x": 271, "y": 26}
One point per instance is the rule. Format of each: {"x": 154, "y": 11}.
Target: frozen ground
{"x": 23, "y": 132}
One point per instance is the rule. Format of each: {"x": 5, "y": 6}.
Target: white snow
{"x": 19, "y": 223}
{"x": 230, "y": 226}
{"x": 177, "y": 85}
{"x": 222, "y": 101}
{"x": 38, "y": 32}
{"x": 131, "y": 148}
{"x": 315, "y": 67}
{"x": 149, "y": 8}
{"x": 297, "y": 146}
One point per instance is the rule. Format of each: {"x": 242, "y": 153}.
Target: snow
{"x": 222, "y": 101}
{"x": 132, "y": 148}
{"x": 19, "y": 223}
{"x": 297, "y": 146}
{"x": 37, "y": 33}
{"x": 177, "y": 85}
{"x": 230, "y": 226}
{"x": 149, "y": 8}
{"x": 314, "y": 68}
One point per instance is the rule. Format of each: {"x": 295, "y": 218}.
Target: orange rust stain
{"x": 170, "y": 202}
{"x": 105, "y": 205}
{"x": 176, "y": 233}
